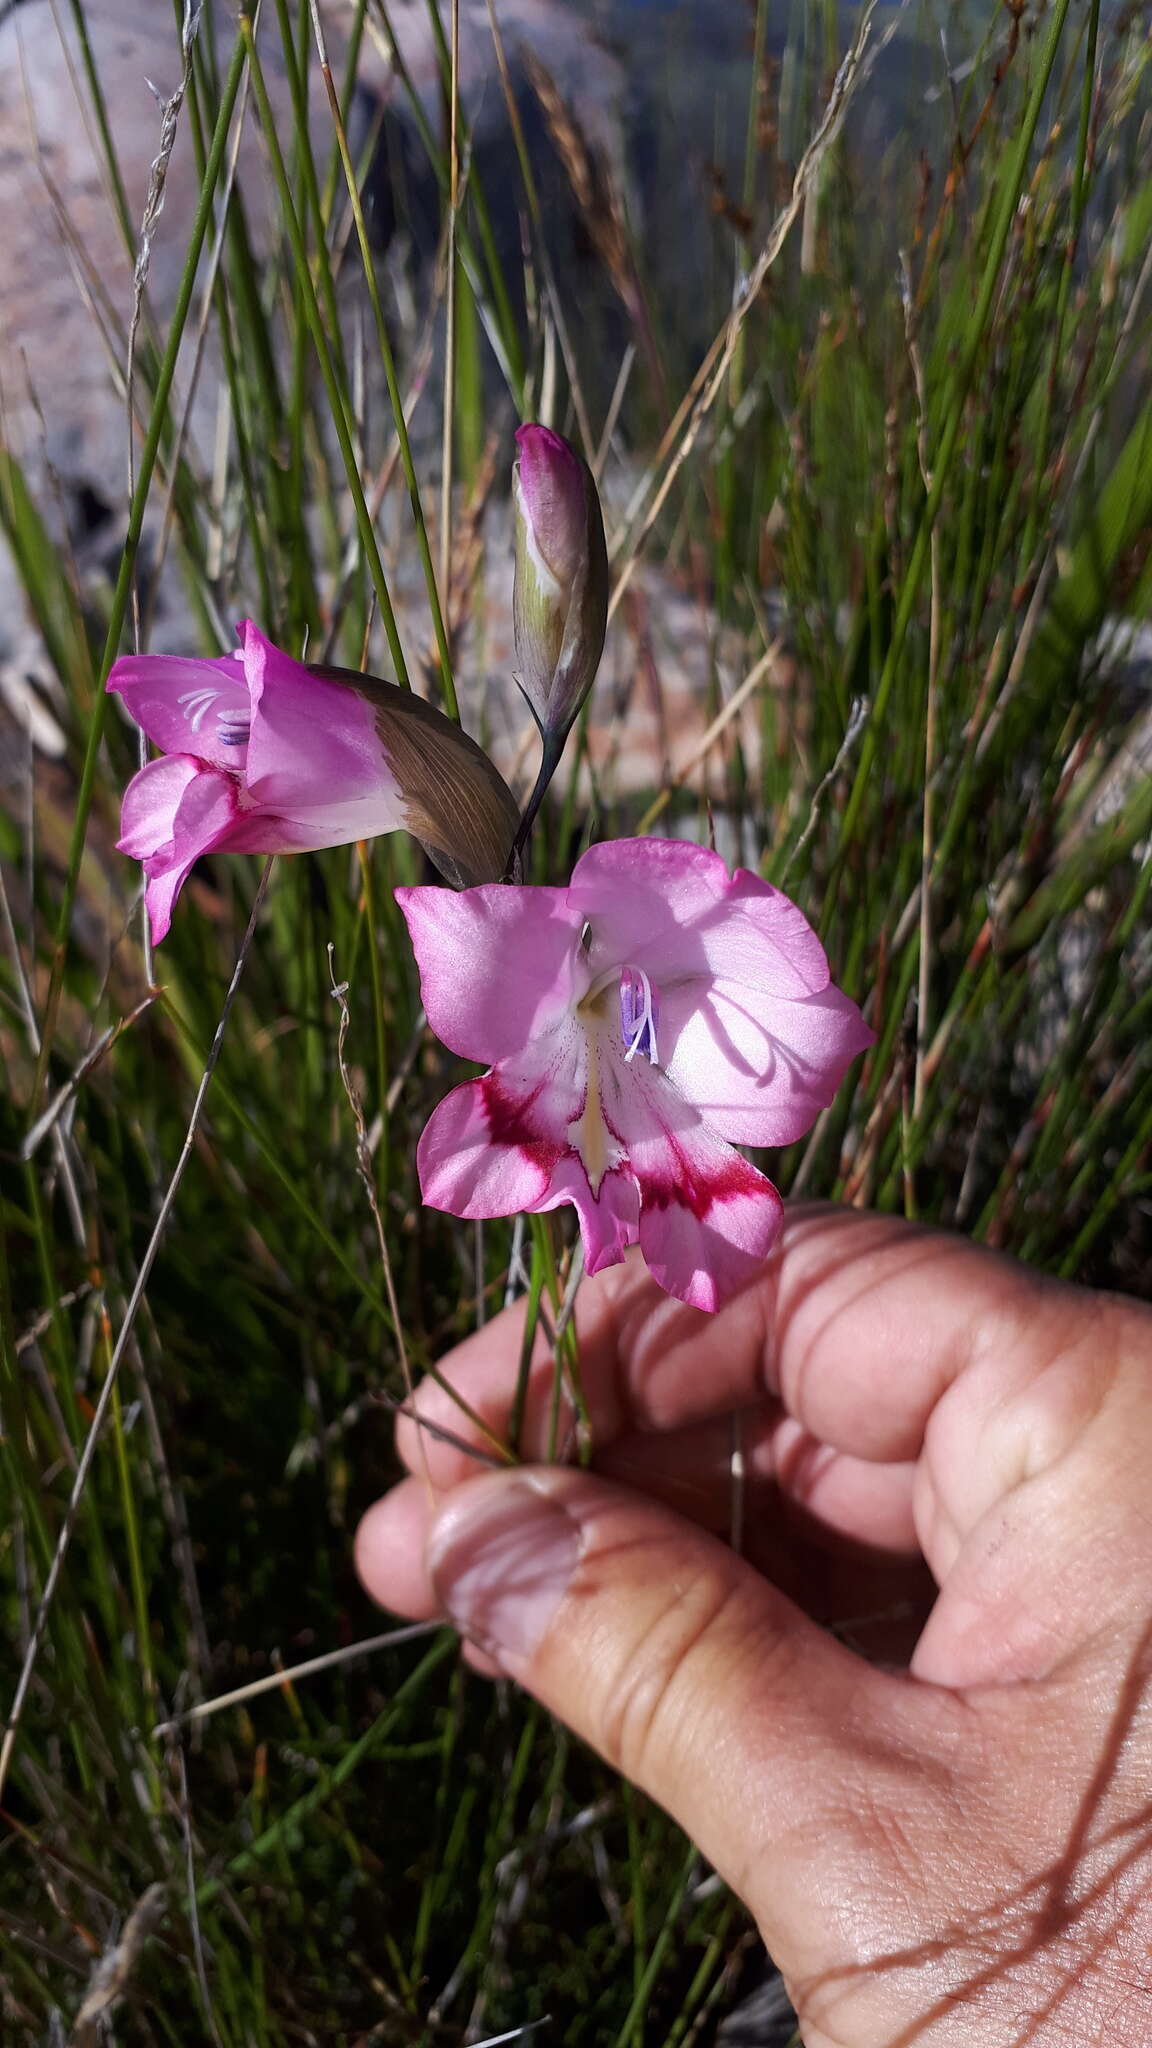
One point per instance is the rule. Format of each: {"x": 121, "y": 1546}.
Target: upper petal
{"x": 184, "y": 704}
{"x": 314, "y": 741}
{"x": 498, "y": 965}
{"x": 672, "y": 908}
{"x": 759, "y": 1068}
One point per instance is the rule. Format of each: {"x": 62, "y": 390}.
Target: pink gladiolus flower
{"x": 638, "y": 1025}
{"x": 263, "y": 755}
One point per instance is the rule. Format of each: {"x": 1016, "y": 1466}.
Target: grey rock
{"x": 67, "y": 301}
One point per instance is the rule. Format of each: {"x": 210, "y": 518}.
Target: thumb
{"x": 683, "y": 1667}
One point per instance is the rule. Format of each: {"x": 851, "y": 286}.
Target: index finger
{"x": 858, "y": 1323}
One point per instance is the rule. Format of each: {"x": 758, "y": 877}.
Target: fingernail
{"x": 501, "y": 1556}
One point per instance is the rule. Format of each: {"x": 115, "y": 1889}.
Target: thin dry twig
{"x": 273, "y": 1680}
{"x": 92, "y": 1058}
{"x": 199, "y": 1963}
{"x": 449, "y": 411}
{"x": 718, "y": 727}
{"x": 153, "y": 207}
{"x": 857, "y": 719}
{"x": 364, "y": 1162}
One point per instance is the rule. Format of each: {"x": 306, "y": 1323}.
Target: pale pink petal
{"x": 185, "y": 705}
{"x": 315, "y": 750}
{"x": 758, "y": 1069}
{"x": 151, "y": 800}
{"x": 305, "y": 828}
{"x": 707, "y": 1218}
{"x": 498, "y": 965}
{"x": 759, "y": 938}
{"x": 200, "y": 823}
{"x": 673, "y": 908}
{"x": 479, "y": 1156}
{"x": 493, "y": 1145}
{"x": 640, "y": 894}
{"x": 464, "y": 1170}
{"x": 705, "y": 1254}
{"x": 609, "y": 1219}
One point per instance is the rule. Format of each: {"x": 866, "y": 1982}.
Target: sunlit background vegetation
{"x": 853, "y": 323}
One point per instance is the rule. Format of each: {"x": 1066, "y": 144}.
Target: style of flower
{"x": 262, "y": 754}
{"x": 637, "y": 1026}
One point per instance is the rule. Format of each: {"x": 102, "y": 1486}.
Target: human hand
{"x": 955, "y": 1853}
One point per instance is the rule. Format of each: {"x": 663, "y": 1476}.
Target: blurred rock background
{"x": 634, "y": 118}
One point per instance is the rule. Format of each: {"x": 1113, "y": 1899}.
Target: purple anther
{"x": 638, "y": 1012}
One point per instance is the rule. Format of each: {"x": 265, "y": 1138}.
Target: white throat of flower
{"x": 638, "y": 1011}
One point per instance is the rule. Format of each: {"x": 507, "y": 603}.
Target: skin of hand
{"x": 957, "y": 1850}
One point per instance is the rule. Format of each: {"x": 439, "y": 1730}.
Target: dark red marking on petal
{"x": 510, "y": 1123}
{"x": 700, "y": 1191}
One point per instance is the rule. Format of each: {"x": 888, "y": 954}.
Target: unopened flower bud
{"x": 560, "y": 598}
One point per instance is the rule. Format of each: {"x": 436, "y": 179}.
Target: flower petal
{"x": 464, "y": 1170}
{"x": 151, "y": 801}
{"x": 673, "y": 908}
{"x": 609, "y": 1219}
{"x": 183, "y": 703}
{"x": 758, "y": 1068}
{"x": 483, "y": 1153}
{"x": 498, "y": 966}
{"x": 492, "y": 1146}
{"x": 704, "y": 1250}
{"x": 707, "y": 1218}
{"x": 200, "y": 822}
{"x": 314, "y": 743}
